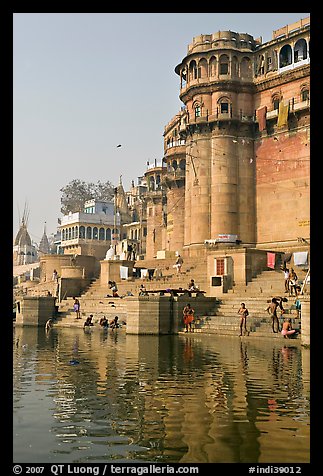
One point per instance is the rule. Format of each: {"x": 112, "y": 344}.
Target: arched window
{"x": 213, "y": 66}
{"x": 224, "y": 105}
{"x": 89, "y": 233}
{"x": 108, "y": 234}
{"x": 82, "y": 231}
{"x": 275, "y": 101}
{"x": 224, "y": 64}
{"x": 101, "y": 234}
{"x": 151, "y": 183}
{"x": 73, "y": 232}
{"x": 157, "y": 179}
{"x": 305, "y": 94}
{"x": 197, "y": 110}
{"x": 235, "y": 67}
{"x": 245, "y": 68}
{"x": 174, "y": 164}
{"x": 261, "y": 65}
{"x": 95, "y": 233}
{"x": 183, "y": 78}
{"x": 69, "y": 233}
{"x": 285, "y": 56}
{"x": 203, "y": 68}
{"x": 76, "y": 232}
{"x": 300, "y": 50}
{"x": 182, "y": 164}
{"x": 193, "y": 70}
{"x": 63, "y": 234}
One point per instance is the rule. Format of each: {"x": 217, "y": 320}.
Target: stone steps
{"x": 222, "y": 320}
{"x": 230, "y": 325}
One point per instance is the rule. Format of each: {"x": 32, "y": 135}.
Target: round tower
{"x": 174, "y": 182}
{"x": 216, "y": 86}
{"x": 154, "y": 203}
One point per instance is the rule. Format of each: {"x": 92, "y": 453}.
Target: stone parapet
{"x": 34, "y": 311}
{"x": 162, "y": 314}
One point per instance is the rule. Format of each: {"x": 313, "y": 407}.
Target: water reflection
{"x": 102, "y": 396}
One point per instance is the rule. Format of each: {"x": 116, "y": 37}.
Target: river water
{"x": 94, "y": 397}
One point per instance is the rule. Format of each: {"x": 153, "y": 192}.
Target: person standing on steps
{"x": 286, "y": 278}
{"x": 188, "y": 317}
{"x": 243, "y": 312}
{"x": 77, "y": 307}
{"x": 178, "y": 264}
{"x": 272, "y": 310}
{"x": 293, "y": 283}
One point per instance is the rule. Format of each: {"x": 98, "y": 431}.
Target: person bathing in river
{"x": 243, "y": 312}
{"x": 188, "y": 317}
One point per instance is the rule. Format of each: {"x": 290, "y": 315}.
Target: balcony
{"x": 82, "y": 241}
{"x": 175, "y": 174}
{"x": 231, "y": 115}
{"x": 293, "y": 107}
{"x": 175, "y": 149}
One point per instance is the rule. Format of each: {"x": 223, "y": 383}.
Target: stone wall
{"x": 110, "y": 270}
{"x": 88, "y": 264}
{"x": 70, "y": 287}
{"x": 34, "y": 311}
{"x": 247, "y": 263}
{"x": 158, "y": 315}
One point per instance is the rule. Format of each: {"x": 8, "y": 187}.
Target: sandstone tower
{"x": 217, "y": 88}
{"x": 174, "y": 182}
{"x": 245, "y": 126}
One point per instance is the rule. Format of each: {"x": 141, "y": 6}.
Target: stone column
{"x": 150, "y": 315}
{"x": 197, "y": 191}
{"x": 305, "y": 320}
{"x": 224, "y": 187}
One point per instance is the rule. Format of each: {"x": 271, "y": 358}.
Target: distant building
{"x": 44, "y": 247}
{"x": 24, "y": 252}
{"x": 90, "y": 232}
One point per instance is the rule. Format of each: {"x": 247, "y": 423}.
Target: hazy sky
{"x": 85, "y": 82}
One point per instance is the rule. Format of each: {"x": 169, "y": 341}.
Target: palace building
{"x": 236, "y": 166}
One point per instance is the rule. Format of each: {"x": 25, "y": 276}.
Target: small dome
{"x": 23, "y": 237}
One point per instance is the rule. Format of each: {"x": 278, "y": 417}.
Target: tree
{"x": 77, "y": 192}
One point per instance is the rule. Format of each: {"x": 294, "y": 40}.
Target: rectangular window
{"x": 305, "y": 95}
{"x": 224, "y": 68}
{"x": 224, "y": 107}
{"x": 220, "y": 266}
